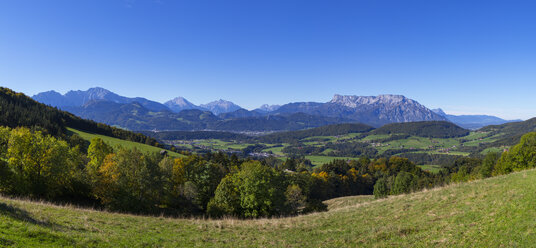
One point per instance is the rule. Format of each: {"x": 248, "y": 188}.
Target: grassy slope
{"x": 431, "y": 168}
{"x": 320, "y": 160}
{"x": 124, "y": 143}
{"x": 489, "y": 213}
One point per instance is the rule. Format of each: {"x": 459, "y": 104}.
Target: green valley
{"x": 340, "y": 141}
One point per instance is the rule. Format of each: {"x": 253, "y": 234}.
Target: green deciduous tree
{"x": 261, "y": 190}
{"x": 404, "y": 183}
{"x": 130, "y": 181}
{"x": 255, "y": 191}
{"x": 488, "y": 164}
{"x": 41, "y": 164}
{"x": 295, "y": 198}
{"x": 96, "y": 152}
{"x": 521, "y": 156}
{"x": 381, "y": 188}
{"x": 226, "y": 199}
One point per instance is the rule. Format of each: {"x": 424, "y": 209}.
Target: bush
{"x": 521, "y": 156}
{"x": 404, "y": 183}
{"x": 381, "y": 189}
{"x": 254, "y": 191}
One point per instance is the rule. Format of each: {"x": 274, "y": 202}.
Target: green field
{"x": 494, "y": 149}
{"x": 496, "y": 212}
{"x": 414, "y": 142}
{"x": 124, "y": 143}
{"x": 481, "y": 140}
{"x": 320, "y": 160}
{"x": 430, "y": 168}
{"x": 444, "y": 146}
{"x": 276, "y": 150}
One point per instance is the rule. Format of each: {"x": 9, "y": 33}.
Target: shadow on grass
{"x": 21, "y": 215}
{"x": 30, "y": 237}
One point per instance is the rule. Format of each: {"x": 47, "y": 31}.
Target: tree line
{"x": 40, "y": 166}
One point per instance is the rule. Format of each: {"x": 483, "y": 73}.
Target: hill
{"x": 19, "y": 110}
{"x": 193, "y": 135}
{"x": 510, "y": 133}
{"x": 428, "y": 129}
{"x": 494, "y": 212}
{"x": 134, "y": 116}
{"x": 115, "y": 142}
{"x": 329, "y": 130}
{"x": 296, "y": 121}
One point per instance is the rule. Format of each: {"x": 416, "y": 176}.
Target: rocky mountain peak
{"x": 181, "y": 101}
{"x": 268, "y": 108}
{"x": 355, "y": 101}
{"x": 178, "y": 104}
{"x": 221, "y": 106}
{"x": 439, "y": 112}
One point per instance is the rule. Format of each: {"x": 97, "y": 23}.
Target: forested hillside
{"x": 429, "y": 129}
{"x": 329, "y": 130}
{"x": 18, "y": 110}
{"x": 510, "y": 133}
{"x": 191, "y": 135}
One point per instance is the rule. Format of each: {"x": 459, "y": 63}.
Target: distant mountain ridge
{"x": 179, "y": 104}
{"x": 220, "y": 106}
{"x": 371, "y": 110}
{"x": 473, "y": 121}
{"x": 140, "y": 113}
{"x": 80, "y": 98}
{"x": 265, "y": 108}
{"x": 19, "y": 110}
{"x": 134, "y": 116}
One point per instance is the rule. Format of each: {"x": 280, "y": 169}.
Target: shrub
{"x": 404, "y": 183}
{"x": 381, "y": 189}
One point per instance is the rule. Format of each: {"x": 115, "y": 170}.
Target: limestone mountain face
{"x": 387, "y": 108}
{"x": 179, "y": 104}
{"x": 220, "y": 106}
{"x": 371, "y": 110}
{"x": 265, "y": 108}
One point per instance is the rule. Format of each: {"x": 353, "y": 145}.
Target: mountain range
{"x": 370, "y": 110}
{"x": 473, "y": 121}
{"x": 139, "y": 113}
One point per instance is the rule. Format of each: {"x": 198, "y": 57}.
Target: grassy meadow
{"x": 119, "y": 142}
{"x": 431, "y": 168}
{"x": 495, "y": 212}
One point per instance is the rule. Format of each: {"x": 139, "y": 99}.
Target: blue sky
{"x": 464, "y": 56}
